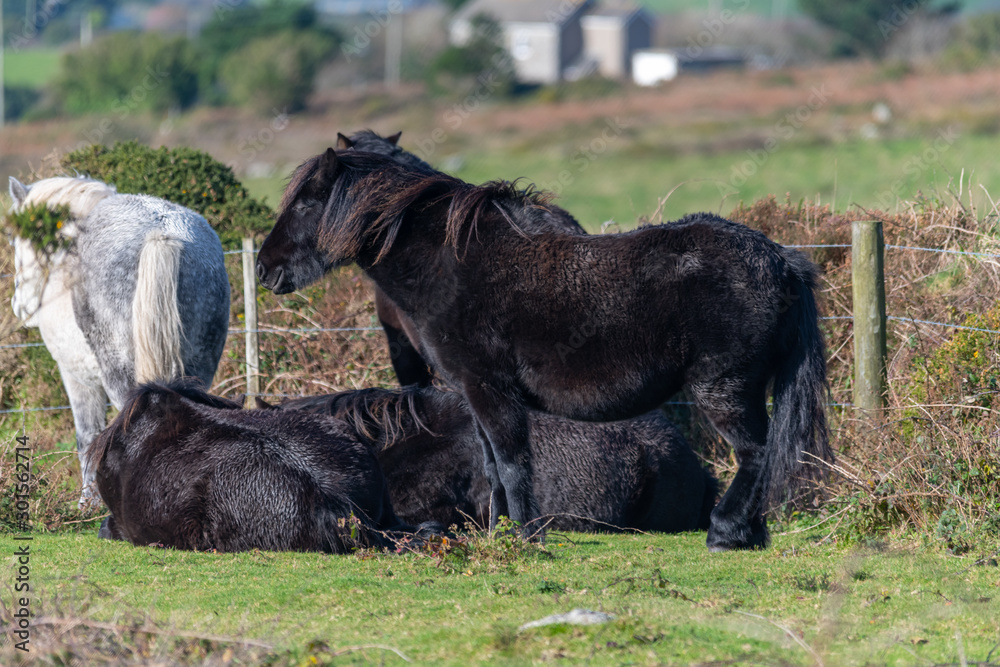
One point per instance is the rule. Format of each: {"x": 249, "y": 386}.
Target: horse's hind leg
{"x": 741, "y": 418}
{"x": 89, "y": 404}
{"x": 410, "y": 366}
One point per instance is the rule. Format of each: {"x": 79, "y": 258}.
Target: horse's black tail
{"x": 797, "y": 432}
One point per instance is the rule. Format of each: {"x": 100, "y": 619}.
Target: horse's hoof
{"x": 737, "y": 540}
{"x": 105, "y": 531}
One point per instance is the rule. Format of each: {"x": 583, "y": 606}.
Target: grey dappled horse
{"x": 140, "y": 294}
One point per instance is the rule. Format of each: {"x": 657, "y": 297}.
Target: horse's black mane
{"x": 372, "y": 193}
{"x": 381, "y": 416}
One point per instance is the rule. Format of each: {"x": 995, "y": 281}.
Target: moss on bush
{"x": 40, "y": 224}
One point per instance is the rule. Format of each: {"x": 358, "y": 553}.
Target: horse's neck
{"x": 409, "y": 276}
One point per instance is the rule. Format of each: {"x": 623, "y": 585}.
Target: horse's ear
{"x": 329, "y": 164}
{"x": 262, "y": 404}
{"x": 394, "y": 139}
{"x": 343, "y": 143}
{"x": 18, "y": 191}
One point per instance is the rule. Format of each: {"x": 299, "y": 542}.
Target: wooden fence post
{"x": 250, "y": 323}
{"x": 868, "y": 278}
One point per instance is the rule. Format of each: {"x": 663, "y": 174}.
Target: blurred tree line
{"x": 262, "y": 56}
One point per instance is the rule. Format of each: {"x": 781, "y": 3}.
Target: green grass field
{"x": 624, "y": 184}
{"x": 32, "y": 68}
{"x": 673, "y": 602}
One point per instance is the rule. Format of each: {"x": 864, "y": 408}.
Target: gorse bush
{"x": 185, "y": 176}
{"x": 965, "y": 370}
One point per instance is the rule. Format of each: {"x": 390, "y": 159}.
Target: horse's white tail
{"x": 156, "y": 321}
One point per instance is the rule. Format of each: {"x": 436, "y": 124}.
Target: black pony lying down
{"x": 185, "y": 469}
{"x": 638, "y": 473}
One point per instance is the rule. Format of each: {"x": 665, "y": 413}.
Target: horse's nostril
{"x": 261, "y": 271}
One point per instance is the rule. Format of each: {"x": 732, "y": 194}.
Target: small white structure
{"x": 653, "y": 66}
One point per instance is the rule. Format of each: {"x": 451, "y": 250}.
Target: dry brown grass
{"x": 931, "y": 462}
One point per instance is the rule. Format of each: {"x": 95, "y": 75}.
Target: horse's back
{"x": 679, "y": 290}
{"x": 109, "y": 247}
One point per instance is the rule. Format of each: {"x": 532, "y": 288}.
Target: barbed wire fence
{"x": 252, "y": 330}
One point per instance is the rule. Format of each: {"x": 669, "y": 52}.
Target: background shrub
{"x": 275, "y": 74}
{"x": 17, "y": 101}
{"x": 239, "y": 29}
{"x": 483, "y": 61}
{"x": 185, "y": 176}
{"x": 126, "y": 72}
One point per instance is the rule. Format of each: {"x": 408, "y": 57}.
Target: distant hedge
{"x": 185, "y": 176}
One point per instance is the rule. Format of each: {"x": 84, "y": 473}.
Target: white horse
{"x": 140, "y": 293}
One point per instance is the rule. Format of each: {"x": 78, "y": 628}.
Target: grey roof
{"x": 618, "y": 10}
{"x": 527, "y": 11}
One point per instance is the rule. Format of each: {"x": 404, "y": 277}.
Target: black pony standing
{"x": 400, "y": 333}
{"x": 589, "y": 327}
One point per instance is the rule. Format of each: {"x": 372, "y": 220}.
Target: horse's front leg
{"x": 89, "y": 405}
{"x": 503, "y": 419}
{"x": 109, "y": 529}
{"x": 410, "y": 367}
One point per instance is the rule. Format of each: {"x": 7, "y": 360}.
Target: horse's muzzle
{"x": 275, "y": 280}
